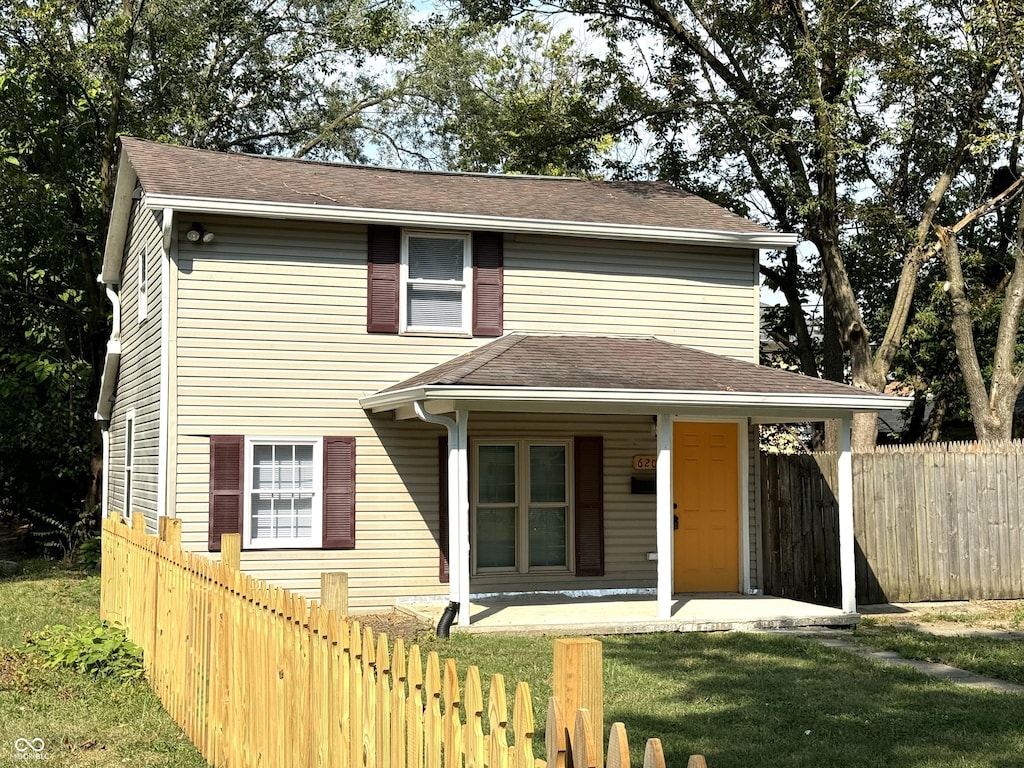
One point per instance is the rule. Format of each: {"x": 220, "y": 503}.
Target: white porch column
{"x": 459, "y": 516}
{"x": 847, "y": 562}
{"x": 664, "y": 516}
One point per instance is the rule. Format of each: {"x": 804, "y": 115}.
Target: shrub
{"x": 99, "y": 648}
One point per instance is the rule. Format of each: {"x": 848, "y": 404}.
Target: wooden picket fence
{"x": 258, "y": 676}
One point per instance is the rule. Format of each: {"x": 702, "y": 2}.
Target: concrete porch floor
{"x": 554, "y": 614}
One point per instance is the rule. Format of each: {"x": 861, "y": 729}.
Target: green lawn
{"x": 1002, "y": 659}
{"x": 742, "y": 700}
{"x": 81, "y": 720}
{"x": 748, "y": 700}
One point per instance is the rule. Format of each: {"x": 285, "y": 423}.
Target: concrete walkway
{"x": 930, "y": 668}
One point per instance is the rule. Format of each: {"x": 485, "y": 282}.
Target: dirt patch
{"x": 966, "y": 617}
{"x": 14, "y": 671}
{"x": 397, "y": 624}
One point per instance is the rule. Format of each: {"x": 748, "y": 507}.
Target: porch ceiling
{"x": 602, "y": 374}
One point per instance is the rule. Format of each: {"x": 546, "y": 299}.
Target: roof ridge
{"x": 364, "y": 166}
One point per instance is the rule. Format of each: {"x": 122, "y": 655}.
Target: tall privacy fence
{"x": 938, "y": 521}
{"x": 257, "y": 676}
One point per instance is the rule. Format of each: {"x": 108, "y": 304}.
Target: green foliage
{"x": 831, "y": 120}
{"x": 99, "y": 649}
{"x": 515, "y": 98}
{"x": 73, "y": 76}
{"x": 85, "y": 720}
{"x": 89, "y": 553}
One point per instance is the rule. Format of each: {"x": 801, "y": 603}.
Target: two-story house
{"x": 444, "y": 384}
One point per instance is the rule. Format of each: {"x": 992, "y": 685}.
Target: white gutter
{"x": 458, "y": 506}
{"x": 647, "y": 400}
{"x": 601, "y": 230}
{"x": 117, "y": 231}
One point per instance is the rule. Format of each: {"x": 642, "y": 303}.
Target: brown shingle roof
{"x": 603, "y": 362}
{"x": 184, "y": 172}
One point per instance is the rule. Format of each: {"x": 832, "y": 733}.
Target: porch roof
{"x": 529, "y": 373}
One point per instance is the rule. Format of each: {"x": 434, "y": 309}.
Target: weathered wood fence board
{"x": 801, "y": 528}
{"x": 932, "y": 522}
{"x": 257, "y": 676}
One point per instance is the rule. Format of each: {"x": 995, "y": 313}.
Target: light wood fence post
{"x": 231, "y": 550}
{"x": 579, "y": 683}
{"x": 334, "y": 592}
{"x": 172, "y": 532}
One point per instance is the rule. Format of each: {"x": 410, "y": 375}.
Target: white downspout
{"x": 115, "y": 303}
{"x": 168, "y": 242}
{"x": 114, "y": 341}
{"x": 458, "y": 505}
{"x": 105, "y": 482}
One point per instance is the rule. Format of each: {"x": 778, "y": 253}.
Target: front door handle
{"x": 675, "y": 522}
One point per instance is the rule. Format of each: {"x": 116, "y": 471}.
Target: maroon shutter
{"x": 588, "y": 464}
{"x": 339, "y": 493}
{"x": 227, "y": 470}
{"x": 488, "y": 283}
{"x": 442, "y": 507}
{"x": 384, "y": 246}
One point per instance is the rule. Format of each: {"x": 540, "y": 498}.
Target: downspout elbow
{"x": 433, "y": 418}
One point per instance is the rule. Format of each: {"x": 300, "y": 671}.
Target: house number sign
{"x": 645, "y": 462}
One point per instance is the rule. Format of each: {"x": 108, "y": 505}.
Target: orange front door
{"x": 705, "y": 491}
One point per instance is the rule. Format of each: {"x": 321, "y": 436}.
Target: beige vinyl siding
{"x": 700, "y": 297}
{"x": 138, "y": 380}
{"x": 269, "y": 338}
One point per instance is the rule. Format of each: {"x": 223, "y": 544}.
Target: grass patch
{"x": 82, "y": 720}
{"x": 747, "y": 700}
{"x": 742, "y": 700}
{"x": 1002, "y": 659}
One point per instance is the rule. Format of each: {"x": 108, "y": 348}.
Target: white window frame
{"x": 315, "y": 539}
{"x": 465, "y": 329}
{"x": 129, "y": 463}
{"x": 522, "y": 505}
{"x": 143, "y": 287}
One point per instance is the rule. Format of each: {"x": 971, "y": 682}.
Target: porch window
{"x": 436, "y": 273}
{"x": 521, "y": 509}
{"x": 284, "y": 481}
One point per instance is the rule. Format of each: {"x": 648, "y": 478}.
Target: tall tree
{"x": 516, "y": 98}
{"x": 849, "y": 123}
{"x": 247, "y": 74}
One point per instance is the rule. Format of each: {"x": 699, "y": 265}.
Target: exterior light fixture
{"x": 197, "y": 234}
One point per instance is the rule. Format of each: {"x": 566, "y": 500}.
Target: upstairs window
{"x": 436, "y": 278}
{"x": 434, "y": 283}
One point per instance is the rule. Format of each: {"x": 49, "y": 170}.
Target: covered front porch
{"x": 565, "y": 386}
{"x": 635, "y": 614}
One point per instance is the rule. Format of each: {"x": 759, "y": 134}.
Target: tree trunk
{"x": 991, "y": 407}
